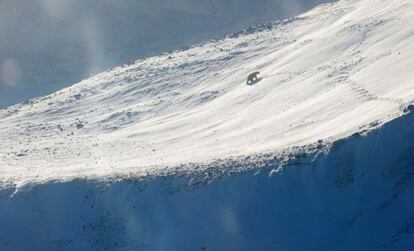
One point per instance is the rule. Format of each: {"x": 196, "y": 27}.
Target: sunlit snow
{"x": 339, "y": 69}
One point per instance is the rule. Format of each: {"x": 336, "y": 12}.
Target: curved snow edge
{"x": 205, "y": 173}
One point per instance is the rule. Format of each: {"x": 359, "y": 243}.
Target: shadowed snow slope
{"x": 339, "y": 69}
{"x": 46, "y": 45}
{"x": 359, "y": 196}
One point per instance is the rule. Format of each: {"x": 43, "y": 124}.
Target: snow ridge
{"x": 337, "y": 70}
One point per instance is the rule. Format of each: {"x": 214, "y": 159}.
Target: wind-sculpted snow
{"x": 357, "y": 196}
{"x": 337, "y": 70}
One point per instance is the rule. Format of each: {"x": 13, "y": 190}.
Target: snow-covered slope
{"x": 339, "y": 69}
{"x": 359, "y": 196}
{"x": 46, "y": 45}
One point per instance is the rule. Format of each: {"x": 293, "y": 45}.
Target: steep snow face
{"x": 359, "y": 196}
{"x": 339, "y": 69}
{"x": 46, "y": 45}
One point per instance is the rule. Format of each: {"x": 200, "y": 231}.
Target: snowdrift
{"x": 356, "y": 197}
{"x": 339, "y": 69}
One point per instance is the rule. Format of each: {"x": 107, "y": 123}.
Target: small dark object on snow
{"x": 79, "y": 125}
{"x": 253, "y": 79}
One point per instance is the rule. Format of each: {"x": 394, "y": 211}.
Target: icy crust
{"x": 337, "y": 70}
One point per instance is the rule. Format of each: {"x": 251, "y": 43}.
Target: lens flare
{"x": 10, "y": 73}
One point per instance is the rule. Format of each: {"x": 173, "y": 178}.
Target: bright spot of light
{"x": 10, "y": 72}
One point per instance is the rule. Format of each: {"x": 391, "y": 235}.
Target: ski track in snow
{"x": 339, "y": 69}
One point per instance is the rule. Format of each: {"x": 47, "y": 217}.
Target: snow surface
{"x": 45, "y": 45}
{"x": 359, "y": 196}
{"x": 341, "y": 68}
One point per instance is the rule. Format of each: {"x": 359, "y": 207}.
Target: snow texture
{"x": 340, "y": 69}
{"x": 359, "y": 196}
{"x": 46, "y": 45}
